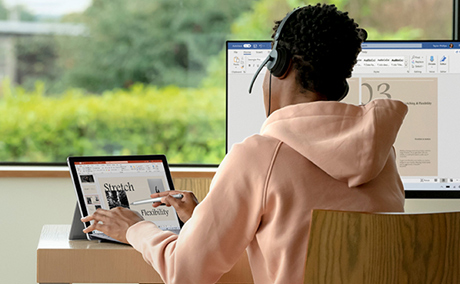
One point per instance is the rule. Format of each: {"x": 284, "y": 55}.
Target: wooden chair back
{"x": 356, "y": 247}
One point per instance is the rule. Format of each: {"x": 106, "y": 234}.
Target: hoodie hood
{"x": 350, "y": 143}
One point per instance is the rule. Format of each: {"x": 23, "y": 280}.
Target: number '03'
{"x": 382, "y": 89}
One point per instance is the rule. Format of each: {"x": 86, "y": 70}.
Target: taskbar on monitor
{"x": 434, "y": 187}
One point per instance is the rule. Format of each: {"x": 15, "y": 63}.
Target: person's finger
{"x": 169, "y": 200}
{"x": 156, "y": 204}
{"x": 163, "y": 200}
{"x": 90, "y": 228}
{"x": 190, "y": 199}
{"x": 96, "y": 225}
{"x": 164, "y": 193}
{"x": 98, "y": 217}
{"x": 87, "y": 218}
{"x": 101, "y": 212}
{"x": 102, "y": 215}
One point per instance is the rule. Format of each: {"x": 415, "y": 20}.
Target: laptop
{"x": 111, "y": 181}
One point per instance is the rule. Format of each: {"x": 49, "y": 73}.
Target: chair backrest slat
{"x": 356, "y": 247}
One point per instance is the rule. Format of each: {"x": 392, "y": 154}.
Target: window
{"x": 107, "y": 77}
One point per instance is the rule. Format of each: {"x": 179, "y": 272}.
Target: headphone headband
{"x": 273, "y": 58}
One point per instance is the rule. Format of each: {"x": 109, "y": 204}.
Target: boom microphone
{"x": 269, "y": 58}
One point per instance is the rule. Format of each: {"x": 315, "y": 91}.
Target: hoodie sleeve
{"x": 222, "y": 225}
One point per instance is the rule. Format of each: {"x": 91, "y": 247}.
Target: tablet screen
{"x": 119, "y": 181}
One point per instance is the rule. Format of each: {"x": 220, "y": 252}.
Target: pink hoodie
{"x": 326, "y": 155}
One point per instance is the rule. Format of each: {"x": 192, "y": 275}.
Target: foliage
{"x": 133, "y": 45}
{"x": 258, "y": 23}
{"x": 402, "y": 20}
{"x": 36, "y": 55}
{"x": 3, "y": 11}
{"x": 406, "y": 33}
{"x": 383, "y": 18}
{"x": 36, "y": 61}
{"x": 22, "y": 13}
{"x": 155, "y": 42}
{"x": 185, "y": 124}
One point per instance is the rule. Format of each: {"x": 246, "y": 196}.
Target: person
{"x": 313, "y": 152}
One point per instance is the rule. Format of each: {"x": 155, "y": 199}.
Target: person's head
{"x": 323, "y": 44}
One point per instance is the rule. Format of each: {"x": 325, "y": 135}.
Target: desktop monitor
{"x": 423, "y": 74}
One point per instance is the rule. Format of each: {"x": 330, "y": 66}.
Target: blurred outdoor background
{"x": 110, "y": 77}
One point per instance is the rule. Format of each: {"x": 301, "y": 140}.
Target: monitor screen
{"x": 423, "y": 74}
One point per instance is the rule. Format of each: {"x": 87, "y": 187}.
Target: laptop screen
{"x": 113, "y": 183}
{"x": 423, "y": 74}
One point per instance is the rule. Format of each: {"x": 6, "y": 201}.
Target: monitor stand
{"x": 76, "y": 229}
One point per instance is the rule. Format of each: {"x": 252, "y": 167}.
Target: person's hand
{"x": 114, "y": 223}
{"x": 184, "y": 207}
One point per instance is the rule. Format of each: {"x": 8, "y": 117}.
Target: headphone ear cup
{"x": 281, "y": 62}
{"x": 346, "y": 88}
{"x": 341, "y": 93}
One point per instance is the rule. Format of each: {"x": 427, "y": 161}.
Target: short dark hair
{"x": 323, "y": 43}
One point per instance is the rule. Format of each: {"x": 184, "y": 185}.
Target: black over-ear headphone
{"x": 279, "y": 59}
